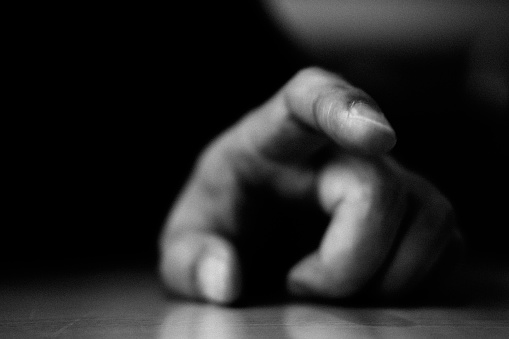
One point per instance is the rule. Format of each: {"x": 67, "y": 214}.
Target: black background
{"x": 108, "y": 106}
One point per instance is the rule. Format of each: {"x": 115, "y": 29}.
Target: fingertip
{"x": 353, "y": 120}
{"x": 309, "y": 279}
{"x": 218, "y": 276}
{"x": 201, "y": 266}
{"x": 365, "y": 128}
{"x": 298, "y": 279}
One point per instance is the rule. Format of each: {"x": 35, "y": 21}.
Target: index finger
{"x": 346, "y": 114}
{"x": 314, "y": 108}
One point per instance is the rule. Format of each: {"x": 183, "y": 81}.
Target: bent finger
{"x": 200, "y": 265}
{"x": 368, "y": 209}
{"x": 314, "y": 108}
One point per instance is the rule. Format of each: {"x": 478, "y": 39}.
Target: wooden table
{"x": 130, "y": 303}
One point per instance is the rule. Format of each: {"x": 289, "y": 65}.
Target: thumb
{"x": 201, "y": 265}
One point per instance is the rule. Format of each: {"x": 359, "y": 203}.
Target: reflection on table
{"x": 130, "y": 303}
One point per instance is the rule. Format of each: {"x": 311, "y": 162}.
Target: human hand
{"x": 301, "y": 195}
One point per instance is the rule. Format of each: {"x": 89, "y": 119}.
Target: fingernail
{"x": 369, "y": 127}
{"x": 216, "y": 279}
{"x": 362, "y": 111}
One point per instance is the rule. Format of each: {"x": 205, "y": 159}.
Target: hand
{"x": 301, "y": 195}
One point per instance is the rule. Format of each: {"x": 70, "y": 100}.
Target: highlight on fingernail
{"x": 363, "y": 111}
{"x": 365, "y": 126}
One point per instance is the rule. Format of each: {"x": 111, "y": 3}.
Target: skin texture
{"x": 301, "y": 197}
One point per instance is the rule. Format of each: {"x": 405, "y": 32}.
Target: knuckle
{"x": 371, "y": 181}
{"x": 366, "y": 190}
{"x": 358, "y": 179}
{"x": 310, "y": 78}
{"x": 309, "y": 73}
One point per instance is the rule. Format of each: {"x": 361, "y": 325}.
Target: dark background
{"x": 108, "y": 107}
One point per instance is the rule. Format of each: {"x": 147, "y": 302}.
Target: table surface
{"x": 130, "y": 303}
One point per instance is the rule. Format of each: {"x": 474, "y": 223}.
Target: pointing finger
{"x": 314, "y": 108}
